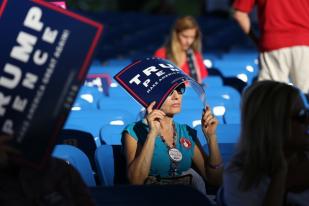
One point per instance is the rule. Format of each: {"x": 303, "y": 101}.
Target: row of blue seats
{"x": 222, "y": 100}
{"x": 109, "y": 162}
{"x": 111, "y": 116}
{"x": 227, "y": 134}
{"x": 105, "y": 125}
{"x": 238, "y": 62}
{"x": 111, "y": 133}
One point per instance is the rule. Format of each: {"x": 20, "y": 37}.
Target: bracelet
{"x": 216, "y": 166}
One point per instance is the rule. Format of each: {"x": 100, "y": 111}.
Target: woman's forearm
{"x": 214, "y": 165}
{"x": 138, "y": 170}
{"x": 214, "y": 151}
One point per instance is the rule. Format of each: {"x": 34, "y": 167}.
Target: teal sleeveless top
{"x": 161, "y": 163}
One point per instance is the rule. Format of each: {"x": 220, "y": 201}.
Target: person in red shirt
{"x": 283, "y": 40}
{"x": 184, "y": 48}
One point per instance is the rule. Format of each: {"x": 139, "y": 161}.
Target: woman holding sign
{"x": 159, "y": 150}
{"x": 184, "y": 48}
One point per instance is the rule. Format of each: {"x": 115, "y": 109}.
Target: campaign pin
{"x": 186, "y": 143}
{"x": 175, "y": 154}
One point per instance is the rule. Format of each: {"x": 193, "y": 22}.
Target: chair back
{"x": 80, "y": 139}
{"x": 72, "y": 155}
{"x": 111, "y": 165}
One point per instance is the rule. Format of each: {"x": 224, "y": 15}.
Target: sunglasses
{"x": 302, "y": 116}
{"x": 180, "y": 89}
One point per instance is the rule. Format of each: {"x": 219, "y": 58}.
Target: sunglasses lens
{"x": 180, "y": 89}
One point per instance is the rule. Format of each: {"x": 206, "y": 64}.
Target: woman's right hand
{"x": 154, "y": 116}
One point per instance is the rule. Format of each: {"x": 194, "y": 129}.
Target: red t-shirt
{"x": 161, "y": 52}
{"x": 283, "y": 23}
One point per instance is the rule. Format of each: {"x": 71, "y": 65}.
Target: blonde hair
{"x": 265, "y": 128}
{"x": 173, "y": 47}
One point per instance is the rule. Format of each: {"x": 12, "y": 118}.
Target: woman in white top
{"x": 270, "y": 166}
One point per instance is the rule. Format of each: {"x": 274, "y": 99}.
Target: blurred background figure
{"x": 270, "y": 166}
{"x": 283, "y": 40}
{"x": 184, "y": 46}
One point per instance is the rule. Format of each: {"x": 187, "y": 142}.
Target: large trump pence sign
{"x": 44, "y": 56}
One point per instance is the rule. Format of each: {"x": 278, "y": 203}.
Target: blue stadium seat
{"x": 111, "y": 134}
{"x": 92, "y": 121}
{"x": 87, "y": 98}
{"x": 190, "y": 93}
{"x": 225, "y": 92}
{"x": 192, "y": 117}
{"x": 226, "y": 133}
{"x": 91, "y": 91}
{"x": 216, "y": 96}
{"x": 111, "y": 165}
{"x": 79, "y": 161}
{"x": 248, "y": 56}
{"x": 82, "y": 128}
{"x": 227, "y": 150}
{"x": 212, "y": 81}
{"x": 232, "y": 116}
{"x": 117, "y": 91}
{"x": 80, "y": 139}
{"x": 191, "y": 102}
{"x": 237, "y": 68}
{"x": 227, "y": 138}
{"x": 120, "y": 102}
{"x": 83, "y": 104}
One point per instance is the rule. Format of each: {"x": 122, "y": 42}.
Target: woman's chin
{"x": 172, "y": 113}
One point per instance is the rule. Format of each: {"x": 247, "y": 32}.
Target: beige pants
{"x": 290, "y": 65}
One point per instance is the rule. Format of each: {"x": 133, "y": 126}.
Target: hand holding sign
{"x": 153, "y": 118}
{"x": 209, "y": 123}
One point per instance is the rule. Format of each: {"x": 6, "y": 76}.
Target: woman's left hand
{"x": 209, "y": 123}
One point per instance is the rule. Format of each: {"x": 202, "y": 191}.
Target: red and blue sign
{"x": 151, "y": 79}
{"x": 44, "y": 57}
